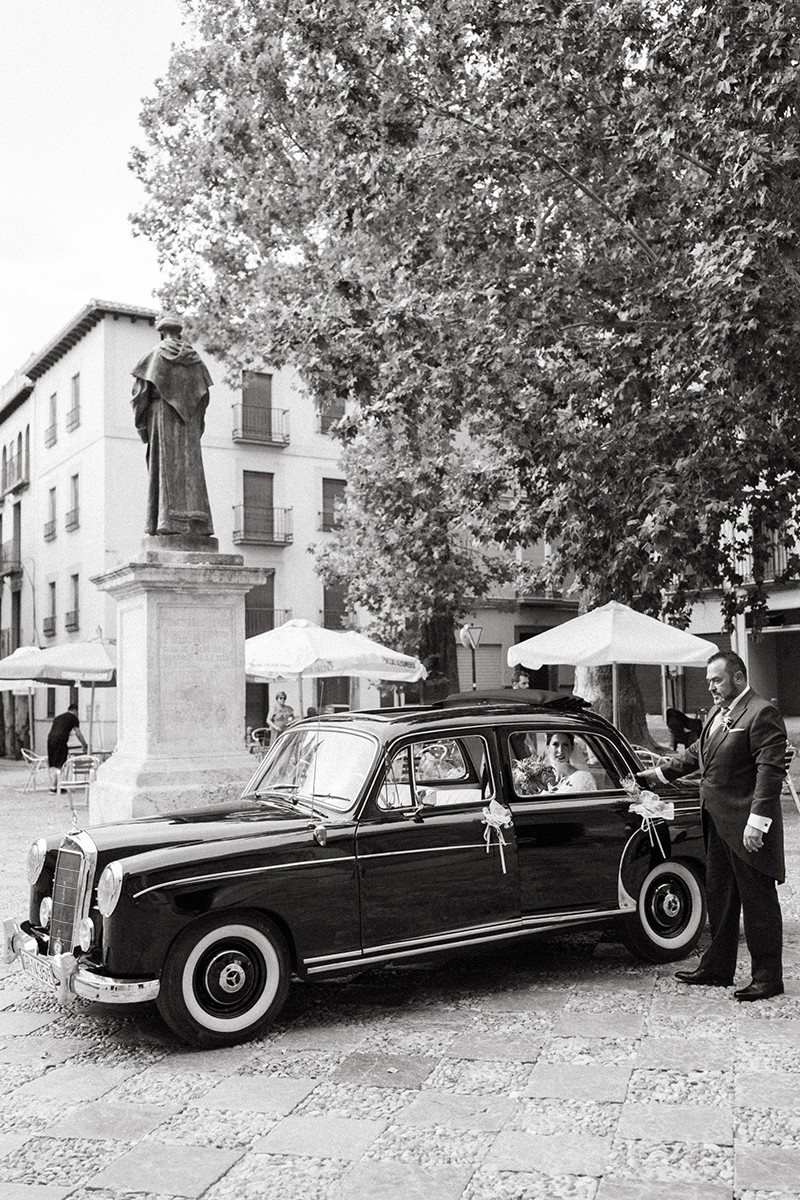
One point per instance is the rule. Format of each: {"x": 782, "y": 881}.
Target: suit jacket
{"x": 742, "y": 770}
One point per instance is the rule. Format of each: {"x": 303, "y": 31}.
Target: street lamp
{"x": 470, "y": 638}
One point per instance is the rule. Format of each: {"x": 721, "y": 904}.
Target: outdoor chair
{"x": 37, "y": 764}
{"x": 77, "y": 774}
{"x": 790, "y": 753}
{"x": 259, "y": 741}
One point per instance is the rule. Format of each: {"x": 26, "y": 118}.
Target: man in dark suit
{"x": 741, "y": 757}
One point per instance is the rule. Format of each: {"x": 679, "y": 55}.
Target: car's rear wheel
{"x": 670, "y": 914}
{"x": 226, "y": 977}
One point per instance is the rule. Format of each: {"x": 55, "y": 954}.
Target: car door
{"x": 426, "y": 873}
{"x": 570, "y": 841}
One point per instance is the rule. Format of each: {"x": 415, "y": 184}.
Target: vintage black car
{"x": 365, "y": 838}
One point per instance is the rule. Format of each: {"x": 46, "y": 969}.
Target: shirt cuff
{"x": 660, "y": 774}
{"x": 756, "y": 822}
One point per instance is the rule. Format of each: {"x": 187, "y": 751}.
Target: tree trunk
{"x": 595, "y": 685}
{"x": 438, "y": 651}
{"x": 2, "y": 726}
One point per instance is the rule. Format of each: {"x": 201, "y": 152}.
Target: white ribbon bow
{"x": 496, "y": 817}
{"x": 650, "y": 808}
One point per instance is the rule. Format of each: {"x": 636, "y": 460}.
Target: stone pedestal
{"x": 180, "y": 681}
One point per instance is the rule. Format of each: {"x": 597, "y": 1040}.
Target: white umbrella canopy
{"x": 300, "y": 648}
{"x": 612, "y": 634}
{"x": 92, "y": 663}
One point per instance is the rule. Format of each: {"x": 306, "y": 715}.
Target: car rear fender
{"x": 682, "y": 843}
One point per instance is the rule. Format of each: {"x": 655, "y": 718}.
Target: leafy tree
{"x": 567, "y": 231}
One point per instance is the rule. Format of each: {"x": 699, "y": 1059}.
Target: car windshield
{"x": 330, "y": 765}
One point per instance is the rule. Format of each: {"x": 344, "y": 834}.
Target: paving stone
{"x": 321, "y": 1137}
{"x": 703, "y": 1002}
{"x": 765, "y": 1089}
{"x": 44, "y": 1049}
{"x": 11, "y": 1142}
{"x": 384, "y": 1070}
{"x": 677, "y": 1123}
{"x": 767, "y": 1168}
{"x": 533, "y": 999}
{"x": 685, "y": 1054}
{"x": 321, "y": 1037}
{"x": 569, "y": 1081}
{"x": 400, "y": 1181}
{"x": 11, "y": 995}
{"x": 494, "y": 1047}
{"x": 104, "y": 1119}
{"x": 270, "y": 1094}
{"x": 14, "y": 1024}
{"x": 150, "y": 1167}
{"x": 226, "y": 1060}
{"x": 643, "y": 1189}
{"x": 457, "y": 1112}
{"x": 74, "y": 1083}
{"x": 24, "y": 1191}
{"x": 777, "y": 1029}
{"x": 605, "y": 1024}
{"x": 554, "y": 1154}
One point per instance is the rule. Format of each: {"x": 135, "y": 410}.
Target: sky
{"x": 72, "y": 74}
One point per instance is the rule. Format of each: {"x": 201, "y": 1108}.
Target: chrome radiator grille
{"x": 72, "y": 889}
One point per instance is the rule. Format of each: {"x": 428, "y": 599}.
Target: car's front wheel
{"x": 225, "y": 978}
{"x": 670, "y": 914}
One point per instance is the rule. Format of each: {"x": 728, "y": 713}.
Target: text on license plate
{"x": 39, "y": 968}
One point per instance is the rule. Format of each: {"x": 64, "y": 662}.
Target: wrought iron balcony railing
{"x": 73, "y": 418}
{"x": 49, "y": 626}
{"x": 254, "y": 423}
{"x": 72, "y": 519}
{"x": 51, "y": 435}
{"x": 259, "y": 620}
{"x": 10, "y": 559}
{"x": 16, "y": 474}
{"x": 262, "y": 526}
{"x": 49, "y": 531}
{"x": 72, "y": 620}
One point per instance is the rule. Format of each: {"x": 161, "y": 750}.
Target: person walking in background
{"x": 280, "y": 716}
{"x": 58, "y": 742}
{"x": 741, "y": 756}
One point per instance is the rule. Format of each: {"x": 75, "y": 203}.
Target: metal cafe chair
{"x": 37, "y": 764}
{"x": 790, "y": 753}
{"x": 77, "y": 774}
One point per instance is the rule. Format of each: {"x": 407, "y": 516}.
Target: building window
{"x": 49, "y": 622}
{"x": 73, "y": 517}
{"x": 72, "y": 619}
{"x": 328, "y": 414}
{"x": 51, "y": 702}
{"x": 73, "y": 418}
{"x": 256, "y": 520}
{"x": 51, "y": 432}
{"x": 255, "y": 420}
{"x": 332, "y": 500}
{"x": 50, "y": 523}
{"x": 259, "y": 608}
{"x": 333, "y": 607}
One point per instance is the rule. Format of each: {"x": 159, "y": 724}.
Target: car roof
{"x": 476, "y": 708}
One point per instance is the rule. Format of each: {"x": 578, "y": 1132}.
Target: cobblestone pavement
{"x": 564, "y": 1069}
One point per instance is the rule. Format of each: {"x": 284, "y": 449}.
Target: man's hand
{"x": 753, "y": 838}
{"x": 647, "y": 778}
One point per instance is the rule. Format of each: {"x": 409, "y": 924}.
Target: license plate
{"x": 39, "y": 968}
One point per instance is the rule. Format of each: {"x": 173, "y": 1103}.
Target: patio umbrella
{"x": 611, "y": 635}
{"x": 23, "y": 687}
{"x": 91, "y": 663}
{"x": 299, "y": 649}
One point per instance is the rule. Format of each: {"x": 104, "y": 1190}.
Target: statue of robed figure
{"x": 170, "y": 398}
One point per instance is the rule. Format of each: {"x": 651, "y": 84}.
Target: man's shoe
{"x": 759, "y": 991}
{"x": 704, "y": 977}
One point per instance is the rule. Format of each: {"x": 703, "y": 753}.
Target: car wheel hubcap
{"x": 668, "y": 908}
{"x": 231, "y": 979}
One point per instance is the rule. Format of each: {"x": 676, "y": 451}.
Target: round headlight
{"x": 109, "y": 888}
{"x": 86, "y": 933}
{"x": 36, "y": 859}
{"x": 45, "y": 911}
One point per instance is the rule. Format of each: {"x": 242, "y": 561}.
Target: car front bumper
{"x": 63, "y": 975}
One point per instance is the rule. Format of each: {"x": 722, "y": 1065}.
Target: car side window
{"x": 555, "y": 761}
{"x": 438, "y": 773}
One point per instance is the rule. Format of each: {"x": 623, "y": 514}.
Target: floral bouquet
{"x": 650, "y": 808}
{"x": 532, "y": 775}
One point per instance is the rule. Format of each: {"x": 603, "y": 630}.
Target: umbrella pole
{"x": 615, "y": 692}
{"x": 31, "y": 734}
{"x": 91, "y": 717}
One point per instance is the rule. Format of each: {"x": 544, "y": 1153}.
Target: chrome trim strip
{"x": 466, "y": 937}
{"x": 552, "y": 805}
{"x": 311, "y": 862}
{"x": 424, "y": 850}
{"x": 626, "y": 900}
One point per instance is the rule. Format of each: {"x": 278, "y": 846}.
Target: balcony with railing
{"x": 257, "y": 423}
{"x": 49, "y": 531}
{"x": 259, "y": 620}
{"x": 72, "y": 519}
{"x": 334, "y": 618}
{"x": 262, "y": 526}
{"x": 73, "y": 418}
{"x": 775, "y": 566}
{"x": 330, "y": 519}
{"x": 10, "y": 558}
{"x": 16, "y": 474}
{"x": 51, "y": 435}
{"x": 72, "y": 620}
{"x": 49, "y": 626}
